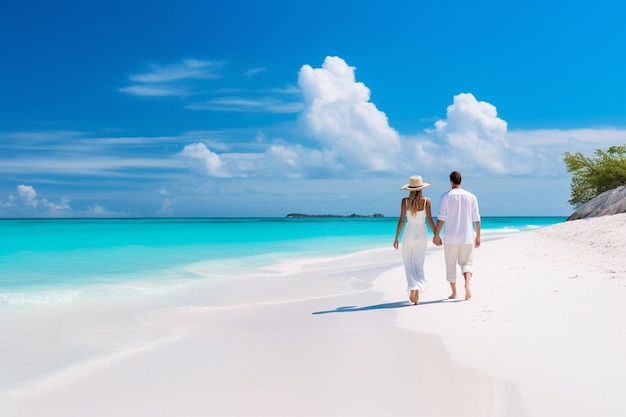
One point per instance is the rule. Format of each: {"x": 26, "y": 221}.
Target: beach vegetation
{"x": 592, "y": 175}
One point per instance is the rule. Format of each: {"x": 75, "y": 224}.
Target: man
{"x": 458, "y": 210}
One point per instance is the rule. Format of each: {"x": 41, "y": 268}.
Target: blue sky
{"x": 263, "y": 108}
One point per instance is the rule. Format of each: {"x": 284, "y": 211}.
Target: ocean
{"x": 78, "y": 293}
{"x": 47, "y": 262}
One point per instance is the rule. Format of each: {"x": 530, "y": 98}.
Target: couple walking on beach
{"x": 458, "y": 211}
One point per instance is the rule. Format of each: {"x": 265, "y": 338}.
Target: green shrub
{"x": 592, "y": 176}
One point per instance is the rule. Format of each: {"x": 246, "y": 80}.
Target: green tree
{"x": 592, "y": 176}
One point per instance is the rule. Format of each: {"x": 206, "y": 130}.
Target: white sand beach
{"x": 543, "y": 335}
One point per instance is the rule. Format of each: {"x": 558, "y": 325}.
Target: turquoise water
{"x": 53, "y": 256}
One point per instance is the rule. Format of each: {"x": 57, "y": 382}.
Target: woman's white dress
{"x": 414, "y": 243}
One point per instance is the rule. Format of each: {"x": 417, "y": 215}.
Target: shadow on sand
{"x": 397, "y": 304}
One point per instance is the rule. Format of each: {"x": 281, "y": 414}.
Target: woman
{"x": 414, "y": 209}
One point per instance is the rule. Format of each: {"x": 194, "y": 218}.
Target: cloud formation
{"x": 210, "y": 162}
{"x": 188, "y": 69}
{"x": 473, "y": 129}
{"x": 347, "y": 133}
{"x": 248, "y": 105}
{"x": 28, "y": 195}
{"x": 338, "y": 136}
{"x": 472, "y": 138}
{"x": 169, "y": 80}
{"x": 339, "y": 116}
{"x": 154, "y": 91}
{"x": 190, "y": 78}
{"x": 28, "y": 202}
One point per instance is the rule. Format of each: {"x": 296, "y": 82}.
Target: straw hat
{"x": 415, "y": 184}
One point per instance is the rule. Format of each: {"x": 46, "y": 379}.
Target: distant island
{"x": 300, "y": 215}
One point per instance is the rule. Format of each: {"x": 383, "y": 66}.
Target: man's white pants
{"x": 463, "y": 255}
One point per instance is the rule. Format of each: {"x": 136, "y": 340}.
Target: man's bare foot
{"x": 468, "y": 293}
{"x": 453, "y": 289}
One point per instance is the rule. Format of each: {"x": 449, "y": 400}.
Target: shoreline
{"x": 543, "y": 335}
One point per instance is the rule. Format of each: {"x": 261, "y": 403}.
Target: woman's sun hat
{"x": 415, "y": 184}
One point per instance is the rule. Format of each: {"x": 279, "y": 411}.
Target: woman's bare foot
{"x": 412, "y": 296}
{"x": 416, "y": 298}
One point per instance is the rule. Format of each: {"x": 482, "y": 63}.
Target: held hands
{"x": 437, "y": 240}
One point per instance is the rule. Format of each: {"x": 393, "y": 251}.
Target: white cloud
{"x": 290, "y": 89}
{"x": 239, "y": 104}
{"x": 188, "y": 69}
{"x": 254, "y": 71}
{"x": 473, "y": 138}
{"x": 210, "y": 161}
{"x": 467, "y": 114}
{"x": 168, "y": 80}
{"x": 62, "y": 206}
{"x": 340, "y": 117}
{"x": 29, "y": 202}
{"x": 473, "y": 129}
{"x": 97, "y": 210}
{"x": 28, "y": 195}
{"x": 153, "y": 91}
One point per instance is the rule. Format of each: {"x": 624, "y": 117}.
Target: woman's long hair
{"x": 413, "y": 202}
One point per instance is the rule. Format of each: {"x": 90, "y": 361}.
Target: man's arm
{"x": 477, "y": 237}
{"x": 476, "y": 218}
